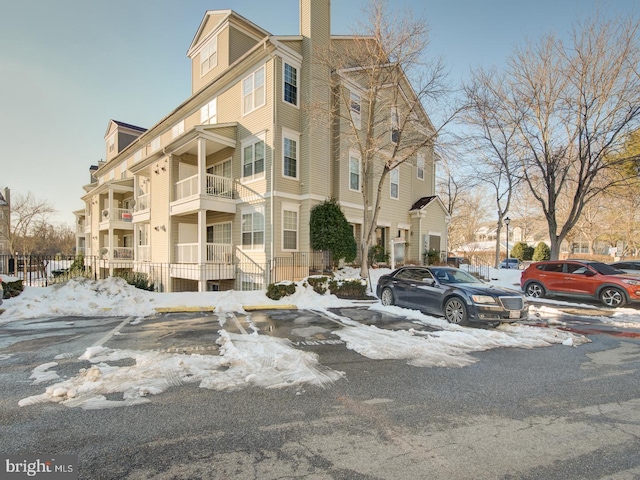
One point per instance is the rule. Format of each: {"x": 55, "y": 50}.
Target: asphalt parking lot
{"x": 545, "y": 413}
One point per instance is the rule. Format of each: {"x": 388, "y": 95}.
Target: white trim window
{"x": 177, "y": 129}
{"x": 253, "y": 231}
{"x": 355, "y": 169}
{"x": 209, "y": 56}
{"x": 253, "y": 91}
{"x": 111, "y": 143}
{"x": 290, "y": 84}
{"x": 289, "y": 227}
{"x": 420, "y": 167}
{"x": 219, "y": 233}
{"x": 253, "y": 159}
{"x": 394, "y": 183}
{"x": 356, "y": 116}
{"x": 209, "y": 113}
{"x": 155, "y": 145}
{"x": 290, "y": 154}
{"x": 395, "y": 125}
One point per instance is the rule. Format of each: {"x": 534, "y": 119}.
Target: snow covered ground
{"x": 255, "y": 359}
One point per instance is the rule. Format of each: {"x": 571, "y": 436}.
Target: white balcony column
{"x": 202, "y": 246}
{"x": 202, "y": 166}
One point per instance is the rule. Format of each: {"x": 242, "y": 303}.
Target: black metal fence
{"x": 45, "y": 270}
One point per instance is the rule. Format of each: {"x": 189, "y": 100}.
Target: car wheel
{"x": 612, "y": 297}
{"x": 455, "y": 311}
{"x": 386, "y": 297}
{"x": 535, "y": 290}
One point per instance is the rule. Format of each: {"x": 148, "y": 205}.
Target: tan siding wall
{"x": 198, "y": 81}
{"x": 239, "y": 44}
{"x": 160, "y": 189}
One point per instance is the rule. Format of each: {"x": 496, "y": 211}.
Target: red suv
{"x": 581, "y": 278}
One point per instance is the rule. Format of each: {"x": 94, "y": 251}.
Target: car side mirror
{"x": 589, "y": 273}
{"x": 429, "y": 281}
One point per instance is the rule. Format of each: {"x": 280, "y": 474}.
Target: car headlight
{"x": 483, "y": 299}
{"x": 631, "y": 282}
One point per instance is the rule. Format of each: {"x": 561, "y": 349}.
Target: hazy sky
{"x": 69, "y": 66}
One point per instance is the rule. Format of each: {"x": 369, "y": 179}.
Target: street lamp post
{"x": 506, "y": 222}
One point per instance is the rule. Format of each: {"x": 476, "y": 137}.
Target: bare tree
{"x": 573, "y": 105}
{"x": 453, "y": 185}
{"x": 386, "y": 124}
{"x": 492, "y": 142}
{"x": 26, "y": 213}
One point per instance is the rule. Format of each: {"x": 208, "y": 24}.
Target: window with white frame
{"x": 219, "y": 233}
{"x": 111, "y": 142}
{"x": 395, "y": 125}
{"x": 253, "y": 160}
{"x": 290, "y": 154}
{"x": 155, "y": 144}
{"x": 177, "y": 129}
{"x": 209, "y": 56}
{"x": 209, "y": 113}
{"x": 354, "y": 172}
{"x": 289, "y": 228}
{"x": 420, "y": 167}
{"x": 290, "y": 84}
{"x": 253, "y": 230}
{"x": 253, "y": 91}
{"x": 355, "y": 110}
{"x": 394, "y": 182}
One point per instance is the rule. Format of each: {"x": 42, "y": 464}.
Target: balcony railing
{"x": 143, "y": 253}
{"x": 216, "y": 253}
{"x": 142, "y": 202}
{"x": 123, "y": 253}
{"x": 216, "y": 186}
{"x": 117, "y": 214}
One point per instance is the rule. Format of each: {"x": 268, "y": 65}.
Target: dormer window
{"x": 209, "y": 56}
{"x": 111, "y": 143}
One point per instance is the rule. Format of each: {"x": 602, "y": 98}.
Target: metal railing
{"x": 239, "y": 273}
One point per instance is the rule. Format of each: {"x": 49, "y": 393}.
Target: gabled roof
{"x": 3, "y": 202}
{"x": 424, "y": 202}
{"x": 226, "y": 15}
{"x": 128, "y": 126}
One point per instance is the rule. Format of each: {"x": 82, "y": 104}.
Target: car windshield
{"x": 605, "y": 269}
{"x": 452, "y": 275}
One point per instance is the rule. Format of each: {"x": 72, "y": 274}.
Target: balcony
{"x": 219, "y": 262}
{"x": 143, "y": 253}
{"x": 121, "y": 218}
{"x": 142, "y": 212}
{"x": 117, "y": 254}
{"x": 216, "y": 253}
{"x": 218, "y": 195}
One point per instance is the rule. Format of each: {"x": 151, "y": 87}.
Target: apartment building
{"x": 229, "y": 177}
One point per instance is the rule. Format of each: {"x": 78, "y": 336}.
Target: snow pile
{"x": 80, "y": 297}
{"x": 244, "y": 360}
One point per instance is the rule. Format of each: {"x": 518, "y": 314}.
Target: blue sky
{"x": 69, "y": 66}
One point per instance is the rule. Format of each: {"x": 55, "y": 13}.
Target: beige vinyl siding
{"x": 160, "y": 186}
{"x": 198, "y": 81}
{"x": 239, "y": 44}
{"x": 295, "y": 45}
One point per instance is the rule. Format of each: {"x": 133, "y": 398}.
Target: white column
{"x": 202, "y": 166}
{"x": 202, "y": 248}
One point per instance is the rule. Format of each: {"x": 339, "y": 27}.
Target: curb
{"x": 253, "y": 308}
{"x": 184, "y": 309}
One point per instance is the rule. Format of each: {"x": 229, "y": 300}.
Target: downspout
{"x": 273, "y": 156}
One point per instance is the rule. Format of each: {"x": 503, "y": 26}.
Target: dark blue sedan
{"x": 452, "y": 293}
